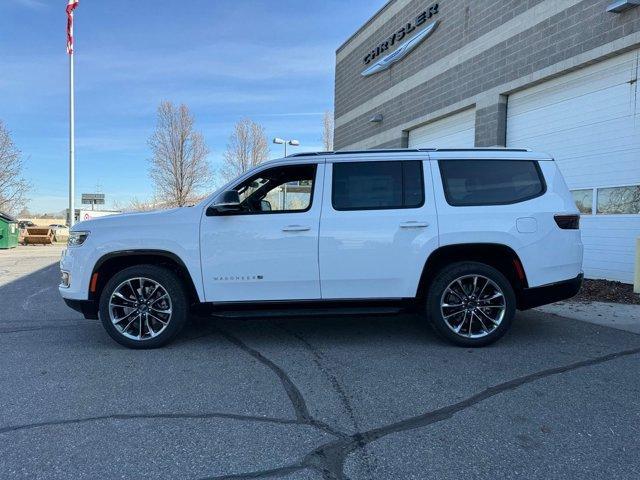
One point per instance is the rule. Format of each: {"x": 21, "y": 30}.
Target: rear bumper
{"x": 553, "y": 292}
{"x": 88, "y": 308}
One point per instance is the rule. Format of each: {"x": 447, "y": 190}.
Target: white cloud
{"x": 288, "y": 114}
{"x": 215, "y": 61}
{"x": 111, "y": 144}
{"x": 213, "y": 98}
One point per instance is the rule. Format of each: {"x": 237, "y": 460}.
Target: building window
{"x": 618, "y": 200}
{"x": 584, "y": 200}
{"x": 490, "y": 182}
{"x": 377, "y": 185}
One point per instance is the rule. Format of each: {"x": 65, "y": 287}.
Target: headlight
{"x": 77, "y": 238}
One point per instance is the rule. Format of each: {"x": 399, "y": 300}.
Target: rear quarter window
{"x": 490, "y": 182}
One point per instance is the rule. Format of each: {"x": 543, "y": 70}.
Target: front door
{"x": 269, "y": 249}
{"x": 379, "y": 225}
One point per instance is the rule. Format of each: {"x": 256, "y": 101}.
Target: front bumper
{"x": 88, "y": 308}
{"x": 78, "y": 263}
{"x": 74, "y": 290}
{"x": 553, "y": 292}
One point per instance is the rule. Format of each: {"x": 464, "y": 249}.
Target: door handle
{"x": 295, "y": 228}
{"x": 414, "y": 225}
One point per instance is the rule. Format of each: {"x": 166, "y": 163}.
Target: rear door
{"x": 378, "y": 226}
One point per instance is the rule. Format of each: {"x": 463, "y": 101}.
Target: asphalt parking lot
{"x": 307, "y": 398}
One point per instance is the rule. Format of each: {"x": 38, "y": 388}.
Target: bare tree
{"x": 134, "y": 205}
{"x": 25, "y": 213}
{"x": 247, "y": 147}
{"x": 179, "y": 167}
{"x": 13, "y": 187}
{"x": 327, "y": 131}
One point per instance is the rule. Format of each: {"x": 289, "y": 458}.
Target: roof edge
{"x": 364, "y": 25}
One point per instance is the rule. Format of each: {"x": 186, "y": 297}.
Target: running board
{"x": 301, "y": 312}
{"x": 298, "y": 308}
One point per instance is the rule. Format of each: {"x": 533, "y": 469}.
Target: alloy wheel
{"x": 140, "y": 308}
{"x": 473, "y": 306}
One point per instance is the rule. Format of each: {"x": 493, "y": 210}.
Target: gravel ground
{"x": 307, "y": 398}
{"x": 607, "y": 291}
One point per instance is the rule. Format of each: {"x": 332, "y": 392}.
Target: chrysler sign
{"x": 404, "y": 48}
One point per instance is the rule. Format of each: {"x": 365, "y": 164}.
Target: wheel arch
{"x": 499, "y": 256}
{"x": 113, "y": 262}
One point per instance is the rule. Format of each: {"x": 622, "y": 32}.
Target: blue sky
{"x": 272, "y": 61}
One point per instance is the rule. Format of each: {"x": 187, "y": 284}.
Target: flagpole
{"x": 72, "y": 141}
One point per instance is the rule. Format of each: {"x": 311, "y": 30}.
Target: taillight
{"x": 568, "y": 222}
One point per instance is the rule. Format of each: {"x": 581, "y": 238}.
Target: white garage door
{"x": 454, "y": 131}
{"x": 589, "y": 121}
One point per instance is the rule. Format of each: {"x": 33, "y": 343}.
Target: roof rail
{"x": 482, "y": 149}
{"x": 385, "y": 150}
{"x": 309, "y": 154}
{"x": 411, "y": 150}
{"x": 374, "y": 150}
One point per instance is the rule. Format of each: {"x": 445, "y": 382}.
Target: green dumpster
{"x": 9, "y": 231}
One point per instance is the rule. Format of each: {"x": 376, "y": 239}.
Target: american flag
{"x": 71, "y": 6}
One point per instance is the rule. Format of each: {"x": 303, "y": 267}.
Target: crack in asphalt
{"x": 295, "y": 396}
{"x": 272, "y": 473}
{"x": 319, "y": 360}
{"x": 297, "y": 400}
{"x": 329, "y": 459}
{"x": 153, "y": 416}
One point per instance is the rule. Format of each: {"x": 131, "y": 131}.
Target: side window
{"x": 278, "y": 190}
{"x": 490, "y": 182}
{"x": 377, "y": 185}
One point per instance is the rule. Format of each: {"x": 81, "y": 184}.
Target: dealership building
{"x": 558, "y": 76}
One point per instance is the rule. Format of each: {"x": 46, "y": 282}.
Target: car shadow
{"x": 367, "y": 331}
{"x": 32, "y": 301}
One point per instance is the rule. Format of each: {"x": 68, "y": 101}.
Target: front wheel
{"x": 144, "y": 306}
{"x": 471, "y": 304}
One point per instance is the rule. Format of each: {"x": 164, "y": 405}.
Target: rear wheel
{"x": 471, "y": 304}
{"x": 143, "y": 306}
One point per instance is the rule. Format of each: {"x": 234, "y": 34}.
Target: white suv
{"x": 464, "y": 237}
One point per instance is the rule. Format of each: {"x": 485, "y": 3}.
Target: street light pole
{"x": 280, "y": 141}
{"x": 293, "y": 143}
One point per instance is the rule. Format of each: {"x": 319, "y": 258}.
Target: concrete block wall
{"x": 480, "y": 52}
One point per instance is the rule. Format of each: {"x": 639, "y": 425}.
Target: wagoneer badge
{"x": 402, "y": 51}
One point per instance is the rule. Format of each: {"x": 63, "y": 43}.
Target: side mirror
{"x": 265, "y": 205}
{"x": 227, "y": 202}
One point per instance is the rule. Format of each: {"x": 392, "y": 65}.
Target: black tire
{"x": 467, "y": 270}
{"x": 176, "y": 292}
